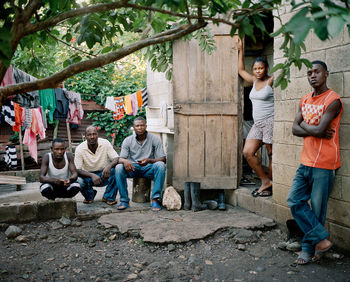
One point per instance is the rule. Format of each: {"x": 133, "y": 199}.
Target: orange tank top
{"x": 320, "y": 152}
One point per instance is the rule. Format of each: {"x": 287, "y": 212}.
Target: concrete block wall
{"x": 287, "y": 148}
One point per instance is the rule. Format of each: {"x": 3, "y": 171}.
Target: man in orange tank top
{"x": 317, "y": 121}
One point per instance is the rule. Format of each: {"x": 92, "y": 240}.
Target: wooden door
{"x": 208, "y": 114}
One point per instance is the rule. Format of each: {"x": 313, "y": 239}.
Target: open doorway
{"x": 263, "y": 46}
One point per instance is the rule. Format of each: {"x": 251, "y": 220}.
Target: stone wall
{"x": 287, "y": 148}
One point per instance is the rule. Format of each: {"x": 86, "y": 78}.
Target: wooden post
{"x": 55, "y": 131}
{"x": 21, "y": 147}
{"x": 141, "y": 190}
{"x": 115, "y": 132}
{"x": 69, "y": 137}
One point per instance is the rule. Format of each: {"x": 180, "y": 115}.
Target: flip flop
{"x": 123, "y": 206}
{"x": 111, "y": 203}
{"x": 303, "y": 258}
{"x": 319, "y": 253}
{"x": 246, "y": 181}
{"x": 155, "y": 206}
{"x": 254, "y": 191}
{"x": 266, "y": 193}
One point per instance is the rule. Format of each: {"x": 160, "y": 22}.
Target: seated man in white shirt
{"x": 95, "y": 160}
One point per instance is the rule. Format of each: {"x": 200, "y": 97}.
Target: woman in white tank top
{"x": 262, "y": 99}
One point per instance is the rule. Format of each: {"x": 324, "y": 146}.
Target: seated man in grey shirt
{"x": 142, "y": 155}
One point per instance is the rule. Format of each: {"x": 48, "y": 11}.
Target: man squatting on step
{"x": 142, "y": 155}
{"x": 317, "y": 121}
{"x": 95, "y": 160}
{"x": 55, "y": 170}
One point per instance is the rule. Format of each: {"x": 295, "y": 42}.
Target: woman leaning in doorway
{"x": 262, "y": 99}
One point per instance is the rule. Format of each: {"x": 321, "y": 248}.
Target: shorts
{"x": 262, "y": 130}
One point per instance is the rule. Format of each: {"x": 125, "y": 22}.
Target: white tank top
{"x": 62, "y": 173}
{"x": 262, "y": 101}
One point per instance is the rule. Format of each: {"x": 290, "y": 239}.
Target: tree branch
{"x": 70, "y": 46}
{"x": 53, "y": 80}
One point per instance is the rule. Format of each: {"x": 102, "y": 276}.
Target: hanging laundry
{"x": 62, "y": 104}
{"x": 134, "y": 104}
{"x": 75, "y": 109}
{"x": 139, "y": 98}
{"x": 43, "y": 115}
{"x": 144, "y": 96}
{"x": 29, "y": 99}
{"x": 48, "y": 102}
{"x": 37, "y": 127}
{"x": 18, "y": 117}
{"x": 128, "y": 106}
{"x": 8, "y": 112}
{"x": 116, "y": 104}
{"x": 27, "y": 118}
{"x": 8, "y": 78}
{"x": 10, "y": 157}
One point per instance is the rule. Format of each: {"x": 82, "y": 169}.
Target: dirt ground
{"x": 86, "y": 251}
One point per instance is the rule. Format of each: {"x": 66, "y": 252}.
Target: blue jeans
{"x": 313, "y": 184}
{"x": 111, "y": 189}
{"x": 154, "y": 171}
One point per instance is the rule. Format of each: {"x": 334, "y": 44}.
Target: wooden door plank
{"x": 195, "y": 72}
{"x": 229, "y": 137}
{"x": 181, "y": 146}
{"x": 229, "y": 72}
{"x": 212, "y": 76}
{"x": 196, "y": 133}
{"x": 193, "y": 109}
{"x": 180, "y": 71}
{"x": 213, "y": 132}
{"x": 7, "y": 179}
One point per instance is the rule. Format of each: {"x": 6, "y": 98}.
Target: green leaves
{"x": 299, "y": 25}
{"x": 335, "y": 25}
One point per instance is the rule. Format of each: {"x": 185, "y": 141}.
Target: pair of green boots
{"x": 192, "y": 199}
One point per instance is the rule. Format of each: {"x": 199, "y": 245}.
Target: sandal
{"x": 123, "y": 206}
{"x": 155, "y": 206}
{"x": 303, "y": 258}
{"x": 266, "y": 193}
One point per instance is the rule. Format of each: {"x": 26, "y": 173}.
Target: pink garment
{"x": 134, "y": 104}
{"x": 75, "y": 109}
{"x": 8, "y": 78}
{"x": 37, "y": 127}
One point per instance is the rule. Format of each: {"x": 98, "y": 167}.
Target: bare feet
{"x": 266, "y": 184}
{"x": 321, "y": 248}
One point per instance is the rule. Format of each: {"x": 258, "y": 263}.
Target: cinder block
{"x": 286, "y": 154}
{"x": 318, "y": 44}
{"x": 345, "y": 163}
{"x": 280, "y": 193}
{"x": 231, "y": 196}
{"x": 335, "y": 81}
{"x": 285, "y": 110}
{"x": 339, "y": 212}
{"x": 345, "y": 188}
{"x": 345, "y": 118}
{"x": 335, "y": 58}
{"x": 283, "y": 174}
{"x": 268, "y": 208}
{"x": 8, "y": 212}
{"x": 282, "y": 214}
{"x": 245, "y": 200}
{"x": 344, "y": 136}
{"x": 337, "y": 188}
{"x": 340, "y": 235}
{"x": 27, "y": 212}
{"x": 55, "y": 209}
{"x": 31, "y": 175}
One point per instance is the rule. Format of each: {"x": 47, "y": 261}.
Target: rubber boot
{"x": 195, "y": 194}
{"x": 221, "y": 202}
{"x": 187, "y": 196}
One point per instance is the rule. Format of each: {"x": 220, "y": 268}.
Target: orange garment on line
{"x": 320, "y": 152}
{"x": 127, "y": 103}
{"x": 18, "y": 117}
{"x": 139, "y": 98}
